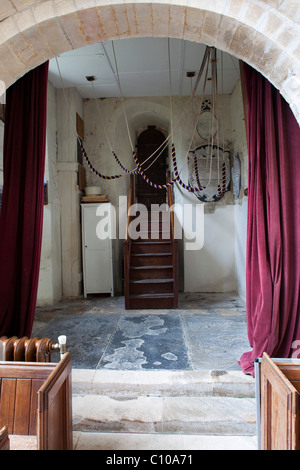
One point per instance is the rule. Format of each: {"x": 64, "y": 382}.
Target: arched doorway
{"x": 149, "y": 147}
{"x": 33, "y": 32}
{"x": 244, "y": 30}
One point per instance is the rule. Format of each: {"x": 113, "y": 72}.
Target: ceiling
{"x": 143, "y": 68}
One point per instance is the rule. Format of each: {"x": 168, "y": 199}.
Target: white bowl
{"x": 93, "y": 190}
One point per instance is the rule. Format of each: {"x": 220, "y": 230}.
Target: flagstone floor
{"x": 207, "y": 331}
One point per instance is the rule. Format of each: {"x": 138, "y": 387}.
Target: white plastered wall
{"x": 50, "y": 280}
{"x": 240, "y": 207}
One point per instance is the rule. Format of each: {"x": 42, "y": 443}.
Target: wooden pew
{"x": 4, "y": 439}
{"x": 279, "y": 403}
{"x": 36, "y": 400}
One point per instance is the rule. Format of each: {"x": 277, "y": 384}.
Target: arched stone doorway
{"x": 257, "y": 32}
{"x": 262, "y": 35}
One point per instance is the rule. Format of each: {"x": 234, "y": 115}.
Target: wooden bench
{"x": 4, "y": 439}
{"x": 278, "y": 400}
{"x": 36, "y": 400}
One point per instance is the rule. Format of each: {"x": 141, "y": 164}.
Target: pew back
{"x": 280, "y": 404}
{"x": 4, "y": 439}
{"x": 36, "y": 399}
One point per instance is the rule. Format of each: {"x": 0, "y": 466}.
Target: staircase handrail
{"x": 127, "y": 242}
{"x": 173, "y": 240}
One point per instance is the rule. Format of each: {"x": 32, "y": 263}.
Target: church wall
{"x": 219, "y": 266}
{"x": 61, "y": 260}
{"x": 240, "y": 208}
{"x": 211, "y": 268}
{"x": 50, "y": 281}
{"x": 68, "y": 104}
{"x": 264, "y": 33}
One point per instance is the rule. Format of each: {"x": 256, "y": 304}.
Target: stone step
{"x": 167, "y": 442}
{"x": 195, "y": 415}
{"x": 131, "y": 383}
{"x": 201, "y": 402}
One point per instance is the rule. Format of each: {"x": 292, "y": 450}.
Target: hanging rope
{"x": 130, "y": 172}
{"x": 177, "y": 177}
{"x": 170, "y": 183}
{"x": 222, "y": 190}
{"x": 96, "y": 172}
{"x": 170, "y": 89}
{"x": 138, "y": 169}
{"x": 196, "y": 172}
{"x": 143, "y": 175}
{"x": 181, "y": 118}
{"x": 84, "y": 154}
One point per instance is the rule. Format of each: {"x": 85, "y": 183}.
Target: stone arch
{"x": 262, "y": 33}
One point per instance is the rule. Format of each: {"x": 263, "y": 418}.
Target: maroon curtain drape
{"x": 273, "y": 229}
{"x": 21, "y": 217}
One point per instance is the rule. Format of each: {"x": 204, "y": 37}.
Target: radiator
{"x": 30, "y": 349}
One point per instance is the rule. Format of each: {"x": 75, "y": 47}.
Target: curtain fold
{"x": 273, "y": 230}
{"x": 21, "y": 217}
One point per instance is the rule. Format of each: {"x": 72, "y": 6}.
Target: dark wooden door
{"x": 148, "y": 142}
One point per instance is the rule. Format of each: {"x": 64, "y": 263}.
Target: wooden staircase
{"x": 150, "y": 261}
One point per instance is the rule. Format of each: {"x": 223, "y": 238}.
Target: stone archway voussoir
{"x": 260, "y": 32}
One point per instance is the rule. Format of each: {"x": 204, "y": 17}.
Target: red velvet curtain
{"x": 21, "y": 217}
{"x": 273, "y": 238}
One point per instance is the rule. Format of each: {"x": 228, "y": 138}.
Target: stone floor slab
{"x": 136, "y": 442}
{"x": 207, "y": 331}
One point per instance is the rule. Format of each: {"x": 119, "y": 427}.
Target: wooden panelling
{"x": 4, "y": 439}
{"x": 36, "y": 399}
{"x": 280, "y": 402}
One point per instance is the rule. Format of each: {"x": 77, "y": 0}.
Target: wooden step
{"x": 154, "y": 225}
{"x": 152, "y": 246}
{"x": 151, "y": 272}
{"x": 151, "y": 259}
{"x": 151, "y": 215}
{"x": 151, "y": 282}
{"x": 153, "y": 301}
{"x": 154, "y": 235}
{"x": 151, "y": 286}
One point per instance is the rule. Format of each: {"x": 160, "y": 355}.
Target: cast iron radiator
{"x": 29, "y": 349}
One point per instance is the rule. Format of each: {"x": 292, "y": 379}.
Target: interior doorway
{"x": 150, "y": 142}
